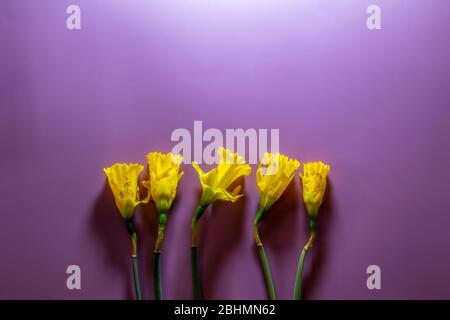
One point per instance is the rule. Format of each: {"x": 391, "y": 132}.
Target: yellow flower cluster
{"x": 273, "y": 175}
{"x": 164, "y": 175}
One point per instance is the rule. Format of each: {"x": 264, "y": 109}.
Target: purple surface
{"x": 373, "y": 104}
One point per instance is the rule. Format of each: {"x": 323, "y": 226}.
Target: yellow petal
{"x": 274, "y": 174}
{"x": 164, "y": 173}
{"x": 314, "y": 182}
{"x": 216, "y": 182}
{"x": 123, "y": 180}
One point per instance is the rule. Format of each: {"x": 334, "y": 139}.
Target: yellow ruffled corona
{"x": 216, "y": 182}
{"x": 123, "y": 180}
{"x": 164, "y": 173}
{"x": 274, "y": 174}
{"x": 314, "y": 182}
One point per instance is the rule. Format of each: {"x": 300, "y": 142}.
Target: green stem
{"x": 301, "y": 261}
{"x": 262, "y": 255}
{"x": 197, "y": 289}
{"x": 133, "y": 237}
{"x": 157, "y": 276}
{"x": 137, "y": 288}
{"x": 267, "y": 275}
{"x": 157, "y": 280}
{"x": 195, "y": 275}
{"x": 299, "y": 276}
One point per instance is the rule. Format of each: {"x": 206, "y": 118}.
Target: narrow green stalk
{"x": 262, "y": 256}
{"x": 197, "y": 290}
{"x": 157, "y": 276}
{"x": 195, "y": 275}
{"x": 133, "y": 237}
{"x": 137, "y": 288}
{"x": 299, "y": 276}
{"x": 157, "y": 280}
{"x": 267, "y": 275}
{"x": 301, "y": 261}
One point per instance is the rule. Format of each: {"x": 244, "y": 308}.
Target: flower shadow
{"x": 319, "y": 253}
{"x": 279, "y": 229}
{"x": 222, "y": 232}
{"x": 147, "y": 229}
{"x": 279, "y": 225}
{"x": 182, "y": 270}
{"x": 109, "y": 228}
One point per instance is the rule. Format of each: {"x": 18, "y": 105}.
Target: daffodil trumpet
{"x": 314, "y": 181}
{"x": 164, "y": 176}
{"x": 215, "y": 185}
{"x": 274, "y": 174}
{"x": 123, "y": 180}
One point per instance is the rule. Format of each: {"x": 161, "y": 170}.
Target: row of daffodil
{"x": 273, "y": 175}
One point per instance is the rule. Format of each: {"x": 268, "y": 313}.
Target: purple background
{"x": 373, "y": 104}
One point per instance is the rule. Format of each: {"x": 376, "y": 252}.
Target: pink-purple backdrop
{"x": 373, "y": 104}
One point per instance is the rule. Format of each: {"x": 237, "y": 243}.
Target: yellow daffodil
{"x": 314, "y": 182}
{"x": 215, "y": 185}
{"x": 274, "y": 174}
{"x": 164, "y": 173}
{"x": 123, "y": 180}
{"x": 216, "y": 182}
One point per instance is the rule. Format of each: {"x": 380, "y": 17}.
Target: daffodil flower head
{"x": 215, "y": 183}
{"x": 274, "y": 174}
{"x": 123, "y": 180}
{"x": 164, "y": 173}
{"x": 314, "y": 182}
